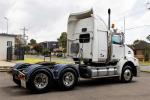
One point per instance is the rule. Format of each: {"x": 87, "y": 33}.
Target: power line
{"x": 135, "y": 12}
{"x": 131, "y": 14}
{"x": 137, "y": 27}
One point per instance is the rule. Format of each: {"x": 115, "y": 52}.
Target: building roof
{"x": 141, "y": 45}
{"x": 49, "y": 42}
{"x": 9, "y": 35}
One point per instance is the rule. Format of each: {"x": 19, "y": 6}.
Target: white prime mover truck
{"x": 97, "y": 50}
{"x": 101, "y": 48}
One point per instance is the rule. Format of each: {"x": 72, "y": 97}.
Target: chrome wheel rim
{"x": 127, "y": 74}
{"x": 68, "y": 78}
{"x": 41, "y": 80}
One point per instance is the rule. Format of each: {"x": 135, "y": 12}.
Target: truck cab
{"x": 99, "y": 47}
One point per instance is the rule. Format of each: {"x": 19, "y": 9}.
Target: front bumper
{"x": 137, "y": 65}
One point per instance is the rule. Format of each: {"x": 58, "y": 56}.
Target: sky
{"x": 46, "y": 19}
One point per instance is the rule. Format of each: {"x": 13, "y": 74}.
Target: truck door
{"x": 117, "y": 47}
{"x": 102, "y": 45}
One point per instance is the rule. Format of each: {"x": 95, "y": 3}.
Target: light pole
{"x": 7, "y": 23}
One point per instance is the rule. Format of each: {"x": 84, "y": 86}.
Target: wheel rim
{"x": 68, "y": 78}
{"x": 41, "y": 80}
{"x": 127, "y": 74}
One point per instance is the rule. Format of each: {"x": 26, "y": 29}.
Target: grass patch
{"x": 146, "y": 71}
{"x": 36, "y": 60}
{"x": 29, "y": 60}
{"x": 145, "y": 63}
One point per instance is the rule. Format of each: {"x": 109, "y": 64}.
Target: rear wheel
{"x": 40, "y": 81}
{"x": 127, "y": 74}
{"x": 68, "y": 79}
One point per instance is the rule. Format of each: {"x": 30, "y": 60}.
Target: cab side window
{"x": 117, "y": 39}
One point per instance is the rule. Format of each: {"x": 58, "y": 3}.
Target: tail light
{"x": 21, "y": 76}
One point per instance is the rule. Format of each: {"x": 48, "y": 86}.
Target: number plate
{"x": 23, "y": 83}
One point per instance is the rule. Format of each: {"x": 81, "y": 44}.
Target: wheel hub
{"x": 127, "y": 74}
{"x": 68, "y": 79}
{"x": 41, "y": 80}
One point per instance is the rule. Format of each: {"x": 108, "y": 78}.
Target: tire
{"x": 18, "y": 82}
{"x": 40, "y": 81}
{"x": 68, "y": 79}
{"x": 127, "y": 74}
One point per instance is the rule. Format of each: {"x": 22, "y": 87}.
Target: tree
{"x": 27, "y": 49}
{"x": 148, "y": 37}
{"x": 32, "y": 42}
{"x": 146, "y": 55}
{"x": 136, "y": 42}
{"x": 140, "y": 44}
{"x": 38, "y": 48}
{"x": 63, "y": 41}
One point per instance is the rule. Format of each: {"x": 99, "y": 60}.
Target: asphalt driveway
{"x": 99, "y": 89}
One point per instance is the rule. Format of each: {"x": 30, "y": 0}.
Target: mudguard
{"x": 19, "y": 65}
{"x": 35, "y": 67}
{"x": 58, "y": 68}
